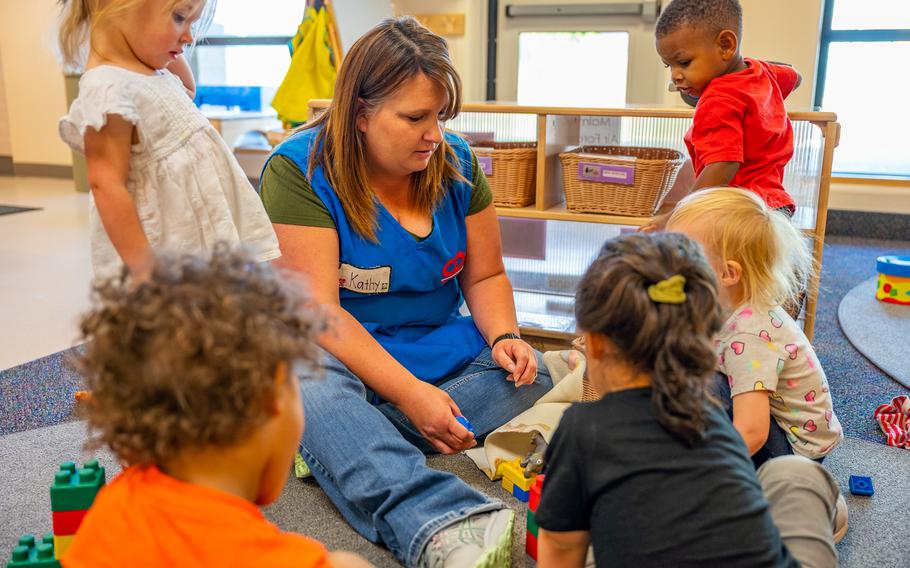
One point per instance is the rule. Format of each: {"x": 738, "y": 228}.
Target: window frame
{"x": 829, "y": 36}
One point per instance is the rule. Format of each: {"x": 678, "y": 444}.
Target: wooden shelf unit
{"x": 558, "y": 129}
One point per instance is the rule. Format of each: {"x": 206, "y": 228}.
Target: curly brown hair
{"x": 673, "y": 343}
{"x": 188, "y": 358}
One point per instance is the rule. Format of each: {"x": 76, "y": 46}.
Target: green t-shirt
{"x": 296, "y": 203}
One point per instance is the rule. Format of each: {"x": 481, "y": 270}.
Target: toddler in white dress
{"x": 161, "y": 176}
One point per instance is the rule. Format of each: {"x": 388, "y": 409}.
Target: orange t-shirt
{"x": 147, "y": 518}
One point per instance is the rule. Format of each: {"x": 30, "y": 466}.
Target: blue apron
{"x": 404, "y": 292}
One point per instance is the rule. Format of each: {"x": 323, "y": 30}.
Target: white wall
{"x": 356, "y": 17}
{"x": 786, "y": 31}
{"x": 32, "y": 81}
{"x": 468, "y": 52}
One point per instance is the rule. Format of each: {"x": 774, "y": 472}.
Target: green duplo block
{"x": 32, "y": 554}
{"x": 75, "y": 489}
{"x": 532, "y": 525}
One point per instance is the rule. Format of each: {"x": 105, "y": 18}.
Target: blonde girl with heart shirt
{"x": 774, "y": 377}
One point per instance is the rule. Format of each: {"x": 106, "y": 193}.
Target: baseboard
{"x": 6, "y": 165}
{"x": 870, "y": 197}
{"x": 868, "y": 225}
{"x": 42, "y": 170}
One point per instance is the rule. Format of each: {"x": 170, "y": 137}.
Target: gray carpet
{"x": 857, "y": 386}
{"x": 879, "y": 534}
{"x": 878, "y": 330}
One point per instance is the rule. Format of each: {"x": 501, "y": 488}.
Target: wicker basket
{"x": 512, "y": 173}
{"x": 621, "y": 180}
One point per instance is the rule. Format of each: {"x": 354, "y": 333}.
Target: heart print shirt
{"x": 762, "y": 349}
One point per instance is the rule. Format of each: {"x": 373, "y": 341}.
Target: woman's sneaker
{"x": 301, "y": 469}
{"x": 479, "y": 541}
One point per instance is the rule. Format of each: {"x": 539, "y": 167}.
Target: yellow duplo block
{"x": 513, "y": 471}
{"x": 507, "y": 485}
{"x": 61, "y": 543}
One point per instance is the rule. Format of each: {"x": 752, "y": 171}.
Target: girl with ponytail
{"x": 654, "y": 473}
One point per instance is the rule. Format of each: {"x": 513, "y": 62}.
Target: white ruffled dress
{"x": 189, "y": 190}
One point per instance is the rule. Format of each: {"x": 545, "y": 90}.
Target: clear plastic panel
{"x": 655, "y": 132}
{"x": 803, "y": 174}
{"x": 502, "y": 126}
{"x": 545, "y": 289}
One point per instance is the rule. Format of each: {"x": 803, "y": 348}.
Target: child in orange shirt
{"x": 192, "y": 389}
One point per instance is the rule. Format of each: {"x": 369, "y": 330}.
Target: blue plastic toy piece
{"x": 464, "y": 422}
{"x": 860, "y": 485}
{"x": 520, "y": 494}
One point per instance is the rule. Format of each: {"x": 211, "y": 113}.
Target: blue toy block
{"x": 464, "y": 422}
{"x": 860, "y": 485}
{"x": 520, "y": 494}
{"x": 75, "y": 489}
{"x": 32, "y": 554}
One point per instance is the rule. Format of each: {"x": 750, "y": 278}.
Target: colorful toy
{"x": 514, "y": 480}
{"x": 893, "y": 279}
{"x": 860, "y": 485}
{"x": 32, "y": 554}
{"x": 72, "y": 493}
{"x": 464, "y": 422}
{"x": 533, "y": 529}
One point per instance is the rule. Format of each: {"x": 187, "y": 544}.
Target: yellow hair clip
{"x": 669, "y": 291}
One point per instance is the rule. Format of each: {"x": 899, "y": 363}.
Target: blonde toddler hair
{"x": 737, "y": 225}
{"x": 79, "y": 17}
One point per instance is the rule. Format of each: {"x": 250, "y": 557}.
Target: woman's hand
{"x": 432, "y": 411}
{"x": 518, "y": 358}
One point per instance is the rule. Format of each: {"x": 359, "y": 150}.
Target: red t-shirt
{"x": 740, "y": 117}
{"x": 146, "y": 518}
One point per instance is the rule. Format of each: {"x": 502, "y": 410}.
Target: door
{"x": 584, "y": 53}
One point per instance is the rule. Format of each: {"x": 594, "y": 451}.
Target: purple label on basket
{"x": 486, "y": 164}
{"x": 589, "y": 171}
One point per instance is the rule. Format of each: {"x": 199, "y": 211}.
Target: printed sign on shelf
{"x": 590, "y": 171}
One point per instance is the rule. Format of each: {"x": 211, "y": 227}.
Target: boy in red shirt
{"x": 191, "y": 388}
{"x": 740, "y": 135}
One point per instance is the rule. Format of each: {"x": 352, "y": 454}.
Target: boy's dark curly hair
{"x": 188, "y": 358}
{"x": 674, "y": 343}
{"x": 711, "y": 15}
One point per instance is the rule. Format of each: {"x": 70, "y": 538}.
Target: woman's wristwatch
{"x": 504, "y": 336}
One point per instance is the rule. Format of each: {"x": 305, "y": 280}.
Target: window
{"x": 582, "y": 69}
{"x": 244, "y": 56}
{"x": 862, "y": 76}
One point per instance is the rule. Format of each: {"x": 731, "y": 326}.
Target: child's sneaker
{"x": 479, "y": 541}
{"x": 840, "y": 519}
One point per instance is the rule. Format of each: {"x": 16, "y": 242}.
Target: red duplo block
{"x": 531, "y": 545}
{"x": 534, "y": 496}
{"x": 67, "y": 522}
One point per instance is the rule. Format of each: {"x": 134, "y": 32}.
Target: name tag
{"x": 623, "y": 175}
{"x": 365, "y": 280}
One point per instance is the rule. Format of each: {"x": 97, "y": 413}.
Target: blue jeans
{"x": 370, "y": 459}
{"x": 777, "y": 444}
